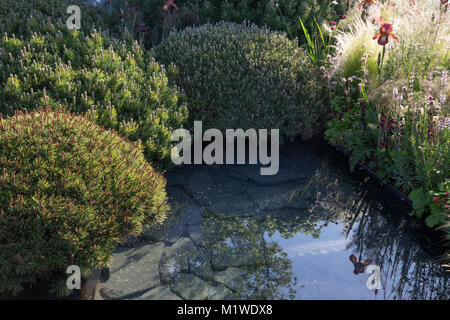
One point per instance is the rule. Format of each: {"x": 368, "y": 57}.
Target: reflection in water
{"x": 264, "y": 266}
{"x": 407, "y": 271}
{"x": 311, "y": 232}
{"x": 359, "y": 267}
{"x": 236, "y": 254}
{"x": 294, "y": 254}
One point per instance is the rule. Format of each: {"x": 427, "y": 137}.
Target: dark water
{"x": 234, "y": 234}
{"x": 237, "y": 235}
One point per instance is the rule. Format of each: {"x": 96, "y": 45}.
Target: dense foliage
{"x": 23, "y": 18}
{"x": 69, "y": 192}
{"x": 243, "y": 76}
{"x": 389, "y": 89}
{"x": 118, "y": 85}
{"x": 276, "y": 15}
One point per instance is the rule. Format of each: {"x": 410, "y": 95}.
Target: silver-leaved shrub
{"x": 244, "y": 76}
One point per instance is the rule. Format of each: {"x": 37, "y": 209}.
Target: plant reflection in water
{"x": 253, "y": 256}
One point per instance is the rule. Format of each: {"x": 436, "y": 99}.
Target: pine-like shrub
{"x": 116, "y": 84}
{"x": 24, "y": 17}
{"x": 243, "y": 76}
{"x": 69, "y": 192}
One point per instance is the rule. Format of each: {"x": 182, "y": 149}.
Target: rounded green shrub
{"x": 118, "y": 85}
{"x": 70, "y": 191}
{"x": 243, "y": 76}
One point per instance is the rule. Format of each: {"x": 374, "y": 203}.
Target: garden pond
{"x": 234, "y": 234}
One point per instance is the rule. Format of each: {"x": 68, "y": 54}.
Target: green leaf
{"x": 420, "y": 201}
{"x": 436, "y": 217}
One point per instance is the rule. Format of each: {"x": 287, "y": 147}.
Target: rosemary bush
{"x": 243, "y": 76}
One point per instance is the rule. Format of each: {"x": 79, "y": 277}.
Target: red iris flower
{"x": 359, "y": 267}
{"x": 168, "y": 4}
{"x": 386, "y": 30}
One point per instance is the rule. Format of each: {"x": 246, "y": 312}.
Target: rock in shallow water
{"x": 134, "y": 271}
{"x": 191, "y": 287}
{"x": 159, "y": 293}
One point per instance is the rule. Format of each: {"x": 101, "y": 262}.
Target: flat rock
{"x": 176, "y": 177}
{"x": 223, "y": 293}
{"x": 182, "y": 206}
{"x": 213, "y": 188}
{"x": 253, "y": 174}
{"x": 178, "y": 200}
{"x": 276, "y": 197}
{"x": 196, "y": 234}
{"x": 175, "y": 258}
{"x": 192, "y": 221}
{"x": 237, "y": 258}
{"x": 154, "y": 234}
{"x": 191, "y": 287}
{"x": 134, "y": 270}
{"x": 229, "y": 277}
{"x": 188, "y": 222}
{"x": 159, "y": 293}
{"x": 180, "y": 246}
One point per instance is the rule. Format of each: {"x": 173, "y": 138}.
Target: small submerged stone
{"x": 159, "y": 293}
{"x": 133, "y": 271}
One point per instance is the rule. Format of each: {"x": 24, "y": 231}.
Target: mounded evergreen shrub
{"x": 117, "y": 85}
{"x": 243, "y": 76}
{"x": 69, "y": 192}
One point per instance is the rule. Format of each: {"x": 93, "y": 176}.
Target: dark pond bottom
{"x": 234, "y": 234}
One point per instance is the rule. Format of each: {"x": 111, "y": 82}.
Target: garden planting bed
{"x": 90, "y": 105}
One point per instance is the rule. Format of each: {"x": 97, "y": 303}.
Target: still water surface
{"x": 291, "y": 236}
